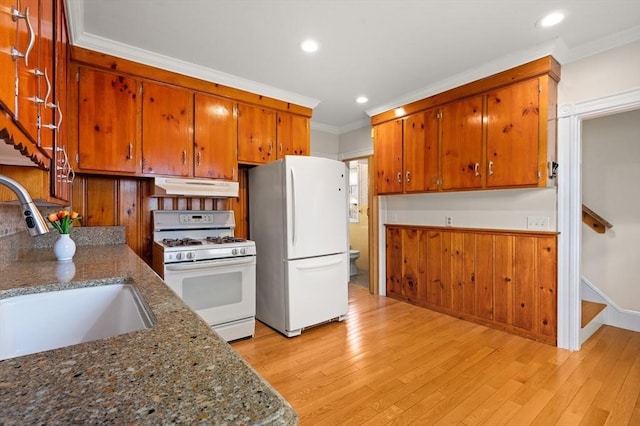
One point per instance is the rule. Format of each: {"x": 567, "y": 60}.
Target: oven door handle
{"x": 192, "y": 266}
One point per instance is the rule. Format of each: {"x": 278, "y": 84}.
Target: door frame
{"x": 570, "y": 117}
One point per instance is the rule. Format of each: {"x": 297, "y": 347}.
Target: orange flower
{"x": 63, "y": 220}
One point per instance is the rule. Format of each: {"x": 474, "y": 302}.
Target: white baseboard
{"x": 614, "y": 315}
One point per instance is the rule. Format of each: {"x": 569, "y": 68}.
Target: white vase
{"x": 64, "y": 248}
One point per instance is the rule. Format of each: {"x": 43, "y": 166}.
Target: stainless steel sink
{"x": 43, "y": 321}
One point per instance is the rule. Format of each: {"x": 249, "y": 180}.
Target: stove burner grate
{"x": 176, "y": 242}
{"x": 225, "y": 239}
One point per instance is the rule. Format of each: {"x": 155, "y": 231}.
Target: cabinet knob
{"x": 399, "y": 177}
{"x": 490, "y": 167}
{"x": 475, "y": 169}
{"x": 408, "y": 176}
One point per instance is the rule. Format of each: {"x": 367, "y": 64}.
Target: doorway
{"x": 570, "y": 120}
{"x": 359, "y": 221}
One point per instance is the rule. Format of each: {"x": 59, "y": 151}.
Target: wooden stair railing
{"x": 595, "y": 222}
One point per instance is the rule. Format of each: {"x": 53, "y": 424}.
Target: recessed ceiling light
{"x": 362, "y": 99}
{"x": 550, "y": 20}
{"x": 309, "y": 46}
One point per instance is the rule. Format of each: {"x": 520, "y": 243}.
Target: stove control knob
{"x": 234, "y": 251}
{"x": 243, "y": 251}
{"x": 190, "y": 255}
{"x": 179, "y": 256}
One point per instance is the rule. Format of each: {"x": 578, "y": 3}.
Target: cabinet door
{"x": 545, "y": 287}
{"x": 167, "y": 130}
{"x": 420, "y": 150}
{"x": 215, "y": 138}
{"x": 61, "y": 187}
{"x": 47, "y": 112}
{"x": 414, "y": 254}
{"x": 433, "y": 267}
{"x": 394, "y": 261}
{"x": 461, "y": 144}
{"x": 108, "y": 122}
{"x": 484, "y": 276}
{"x": 524, "y": 261}
{"x": 256, "y": 134}
{"x": 28, "y": 69}
{"x": 503, "y": 279}
{"x": 8, "y": 32}
{"x": 512, "y": 135}
{"x": 387, "y": 147}
{"x": 292, "y": 135}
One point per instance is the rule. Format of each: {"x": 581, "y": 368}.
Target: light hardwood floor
{"x": 393, "y": 363}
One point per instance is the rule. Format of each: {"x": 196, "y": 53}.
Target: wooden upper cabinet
{"x": 8, "y": 40}
{"x": 420, "y": 152}
{"x": 256, "y": 134}
{"x": 62, "y": 170}
{"x": 108, "y": 122}
{"x": 46, "y": 82}
{"x": 497, "y": 132}
{"x": 29, "y": 71}
{"x": 513, "y": 116}
{"x": 292, "y": 135}
{"x": 461, "y": 144}
{"x": 167, "y": 130}
{"x": 387, "y": 145}
{"x": 215, "y": 138}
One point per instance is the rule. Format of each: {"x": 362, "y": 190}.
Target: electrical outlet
{"x": 448, "y": 221}
{"x": 538, "y": 223}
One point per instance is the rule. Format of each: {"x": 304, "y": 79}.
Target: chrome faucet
{"x": 34, "y": 220}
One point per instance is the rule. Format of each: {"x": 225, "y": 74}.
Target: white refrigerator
{"x": 298, "y": 216}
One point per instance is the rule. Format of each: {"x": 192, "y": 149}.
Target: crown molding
{"x": 79, "y": 37}
{"x": 556, "y": 48}
{"x": 477, "y": 73}
{"x": 601, "y": 45}
{"x": 324, "y": 128}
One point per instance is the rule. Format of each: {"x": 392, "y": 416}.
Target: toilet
{"x": 353, "y": 256}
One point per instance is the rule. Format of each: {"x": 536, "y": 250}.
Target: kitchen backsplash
{"x": 14, "y": 237}
{"x": 10, "y": 220}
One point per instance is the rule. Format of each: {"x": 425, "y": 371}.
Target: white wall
{"x": 324, "y": 144}
{"x": 607, "y": 73}
{"x": 499, "y": 209}
{"x": 356, "y": 143}
{"x": 611, "y": 187}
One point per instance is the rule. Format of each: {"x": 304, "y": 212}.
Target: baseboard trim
{"x": 614, "y": 315}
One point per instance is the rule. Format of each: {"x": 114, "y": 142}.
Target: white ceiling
{"x": 392, "y": 51}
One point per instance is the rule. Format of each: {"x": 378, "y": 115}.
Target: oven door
{"x": 220, "y": 291}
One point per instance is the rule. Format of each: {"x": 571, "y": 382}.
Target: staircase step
{"x": 590, "y": 310}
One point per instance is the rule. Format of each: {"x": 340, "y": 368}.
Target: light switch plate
{"x": 538, "y": 223}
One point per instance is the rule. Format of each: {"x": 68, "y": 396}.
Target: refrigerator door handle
{"x": 293, "y": 207}
{"x": 319, "y": 265}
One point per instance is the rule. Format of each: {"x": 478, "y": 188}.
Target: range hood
{"x": 175, "y": 187}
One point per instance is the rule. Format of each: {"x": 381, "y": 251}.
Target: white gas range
{"x": 214, "y": 272}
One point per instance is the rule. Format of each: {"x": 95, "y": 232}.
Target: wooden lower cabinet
{"x": 502, "y": 279}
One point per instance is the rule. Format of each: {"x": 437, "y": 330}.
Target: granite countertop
{"x": 178, "y": 371}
